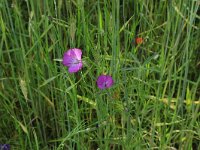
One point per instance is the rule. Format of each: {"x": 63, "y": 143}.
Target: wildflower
{"x": 104, "y": 81}
{"x": 72, "y": 59}
{"x": 5, "y": 146}
{"x": 139, "y": 40}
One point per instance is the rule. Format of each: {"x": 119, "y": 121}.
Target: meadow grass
{"x": 154, "y": 102}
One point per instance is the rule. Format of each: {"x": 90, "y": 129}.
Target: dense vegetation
{"x": 154, "y": 102}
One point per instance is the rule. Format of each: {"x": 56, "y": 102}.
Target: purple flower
{"x": 104, "y": 81}
{"x": 4, "y": 147}
{"x": 72, "y": 59}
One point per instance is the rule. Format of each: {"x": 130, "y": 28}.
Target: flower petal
{"x": 67, "y": 60}
{"x": 77, "y": 53}
{"x": 109, "y": 81}
{"x": 71, "y": 53}
{"x": 75, "y": 67}
{"x": 104, "y": 81}
{"x": 100, "y": 81}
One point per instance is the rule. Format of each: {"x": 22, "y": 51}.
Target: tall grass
{"x": 154, "y": 103}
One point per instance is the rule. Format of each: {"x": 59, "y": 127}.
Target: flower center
{"x": 105, "y": 83}
{"x": 75, "y": 61}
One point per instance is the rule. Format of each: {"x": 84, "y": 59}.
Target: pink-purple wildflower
{"x": 72, "y": 59}
{"x": 104, "y": 81}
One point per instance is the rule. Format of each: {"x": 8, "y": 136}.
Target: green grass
{"x": 155, "y": 101}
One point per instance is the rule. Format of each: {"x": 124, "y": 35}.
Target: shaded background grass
{"x": 154, "y": 103}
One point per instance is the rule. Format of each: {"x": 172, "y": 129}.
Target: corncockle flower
{"x": 104, "y": 81}
{"x": 4, "y": 146}
{"x": 72, "y": 59}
